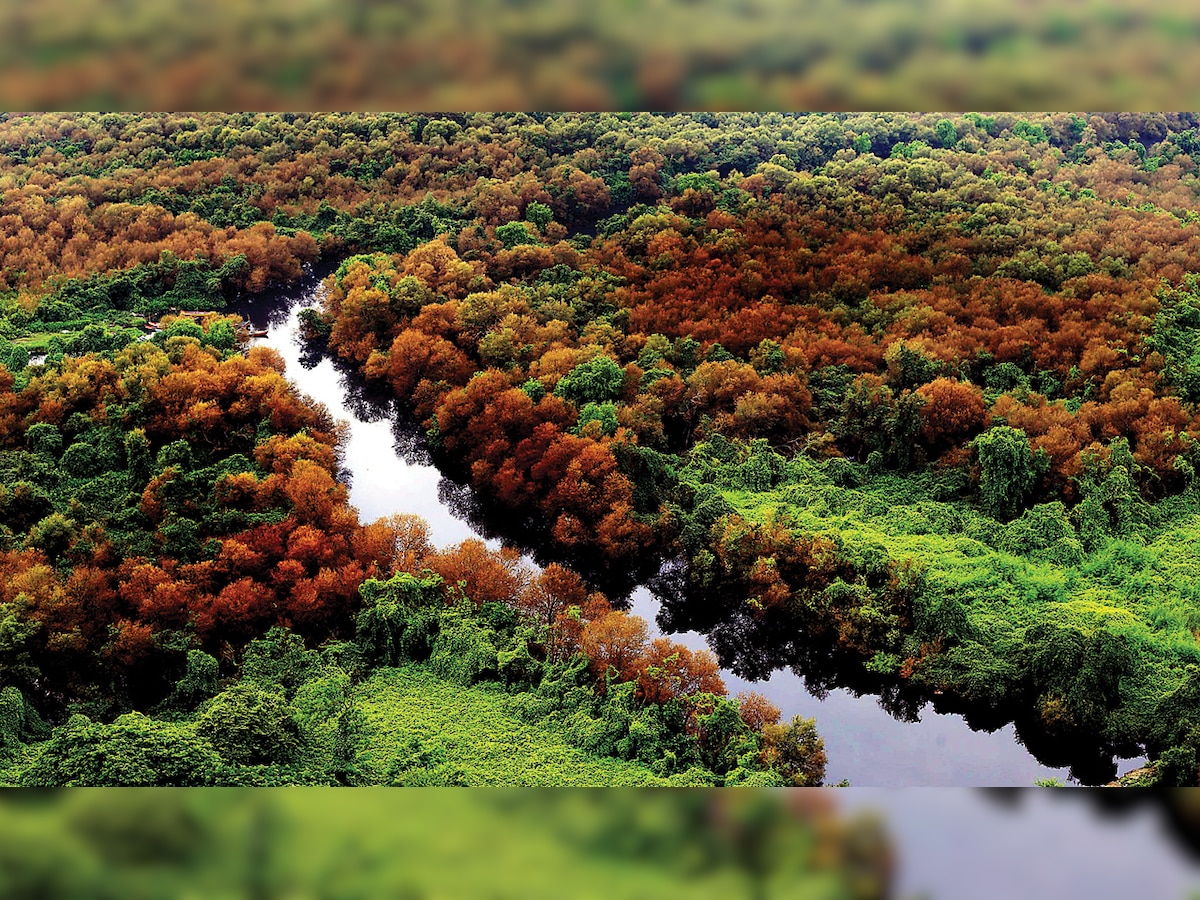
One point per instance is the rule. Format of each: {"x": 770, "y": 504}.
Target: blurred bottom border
{"x": 610, "y": 843}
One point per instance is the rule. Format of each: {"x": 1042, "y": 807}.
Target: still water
{"x": 1034, "y": 844}
{"x": 389, "y": 472}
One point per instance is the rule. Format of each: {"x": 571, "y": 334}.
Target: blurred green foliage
{"x": 500, "y": 843}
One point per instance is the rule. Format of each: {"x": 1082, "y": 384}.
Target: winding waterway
{"x": 389, "y": 471}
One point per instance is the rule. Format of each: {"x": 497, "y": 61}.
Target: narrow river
{"x": 389, "y": 472}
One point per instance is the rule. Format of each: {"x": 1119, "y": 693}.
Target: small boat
{"x": 262, "y": 332}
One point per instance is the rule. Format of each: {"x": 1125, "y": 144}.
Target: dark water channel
{"x": 389, "y": 471}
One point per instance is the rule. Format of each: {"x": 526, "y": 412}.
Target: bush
{"x": 81, "y": 461}
{"x": 132, "y": 751}
{"x": 44, "y": 438}
{"x": 249, "y": 725}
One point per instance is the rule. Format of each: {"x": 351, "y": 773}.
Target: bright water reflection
{"x": 1036, "y": 845}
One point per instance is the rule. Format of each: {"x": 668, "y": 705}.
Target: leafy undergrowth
{"x": 1088, "y": 615}
{"x": 419, "y": 729}
{"x": 411, "y": 728}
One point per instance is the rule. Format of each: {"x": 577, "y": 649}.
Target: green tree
{"x": 279, "y": 661}
{"x": 1177, "y": 767}
{"x": 1009, "y": 470}
{"x": 399, "y": 621}
{"x": 465, "y": 649}
{"x": 604, "y": 415}
{"x": 594, "y": 381}
{"x": 539, "y": 214}
{"x": 19, "y": 722}
{"x": 514, "y": 234}
{"x": 947, "y": 133}
{"x": 767, "y": 358}
{"x": 53, "y": 535}
{"x": 81, "y": 460}
{"x": 137, "y": 456}
{"x": 221, "y": 336}
{"x": 199, "y": 681}
{"x": 1177, "y": 335}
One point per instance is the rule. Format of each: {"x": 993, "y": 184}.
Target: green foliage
{"x": 1044, "y": 532}
{"x": 132, "y": 751}
{"x": 81, "y": 460}
{"x": 1177, "y": 767}
{"x": 946, "y": 132}
{"x": 181, "y": 327}
{"x": 517, "y": 667}
{"x": 601, "y": 417}
{"x": 45, "y": 438}
{"x": 19, "y": 722}
{"x": 1034, "y": 134}
{"x": 177, "y": 454}
{"x": 514, "y": 234}
{"x": 1111, "y": 504}
{"x": 539, "y": 214}
{"x": 596, "y": 381}
{"x": 723, "y": 736}
{"x": 137, "y": 455}
{"x": 1177, "y": 335}
{"x": 1009, "y": 470}
{"x": 400, "y": 619}
{"x": 249, "y": 725}
{"x": 420, "y": 729}
{"x": 534, "y": 389}
{"x": 221, "y": 336}
{"x": 465, "y": 648}
{"x": 199, "y": 681}
{"x": 52, "y": 535}
{"x": 13, "y": 357}
{"x": 280, "y": 662}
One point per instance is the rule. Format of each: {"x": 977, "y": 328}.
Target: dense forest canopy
{"x": 910, "y": 396}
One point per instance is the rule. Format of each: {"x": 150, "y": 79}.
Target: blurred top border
{"x": 600, "y": 54}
